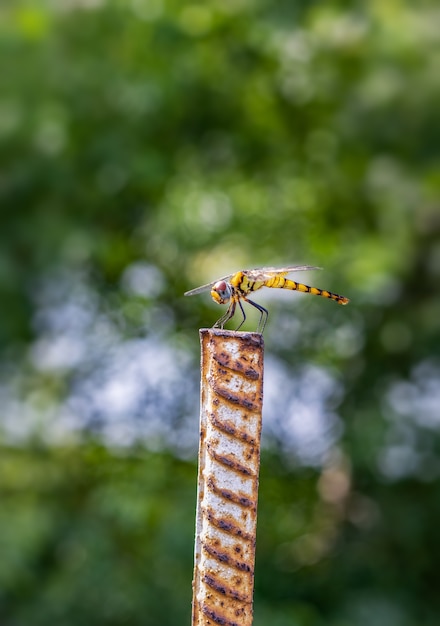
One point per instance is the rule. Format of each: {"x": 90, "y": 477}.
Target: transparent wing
{"x": 264, "y": 273}
{"x": 194, "y": 292}
{"x": 259, "y": 273}
{"x": 208, "y": 287}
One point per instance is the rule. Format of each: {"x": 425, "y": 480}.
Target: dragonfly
{"x": 235, "y": 288}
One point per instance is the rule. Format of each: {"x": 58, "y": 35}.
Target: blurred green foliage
{"x": 147, "y": 147}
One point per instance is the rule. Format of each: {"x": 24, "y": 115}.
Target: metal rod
{"x": 229, "y": 462}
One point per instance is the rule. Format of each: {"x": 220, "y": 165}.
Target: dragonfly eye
{"x": 221, "y": 292}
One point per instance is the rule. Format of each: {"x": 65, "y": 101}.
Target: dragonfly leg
{"x": 226, "y": 316}
{"x": 263, "y": 314}
{"x": 244, "y": 316}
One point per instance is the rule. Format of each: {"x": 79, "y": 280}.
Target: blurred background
{"x": 148, "y": 147}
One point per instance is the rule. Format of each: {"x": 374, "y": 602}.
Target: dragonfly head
{"x": 221, "y": 292}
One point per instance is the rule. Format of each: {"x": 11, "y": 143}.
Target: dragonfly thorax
{"x": 221, "y": 292}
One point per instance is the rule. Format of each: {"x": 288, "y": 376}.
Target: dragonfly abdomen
{"x": 285, "y": 283}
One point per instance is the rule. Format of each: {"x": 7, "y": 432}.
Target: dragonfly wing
{"x": 260, "y": 273}
{"x": 208, "y": 287}
{"x": 264, "y": 273}
{"x": 194, "y": 292}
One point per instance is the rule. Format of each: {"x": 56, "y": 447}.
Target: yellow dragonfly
{"x": 234, "y": 288}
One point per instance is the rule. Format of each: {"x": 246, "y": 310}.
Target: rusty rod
{"x": 229, "y": 462}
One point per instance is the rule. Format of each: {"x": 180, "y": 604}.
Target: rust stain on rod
{"x": 229, "y": 462}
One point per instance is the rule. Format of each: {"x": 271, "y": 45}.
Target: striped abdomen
{"x": 279, "y": 282}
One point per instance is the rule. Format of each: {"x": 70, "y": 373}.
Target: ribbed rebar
{"x": 229, "y": 461}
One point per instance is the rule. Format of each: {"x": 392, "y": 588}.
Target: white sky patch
{"x": 419, "y": 399}
{"x": 412, "y": 408}
{"x": 57, "y": 353}
{"x": 123, "y": 390}
{"x": 207, "y": 209}
{"x": 296, "y": 410}
{"x": 143, "y": 279}
{"x": 139, "y": 392}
